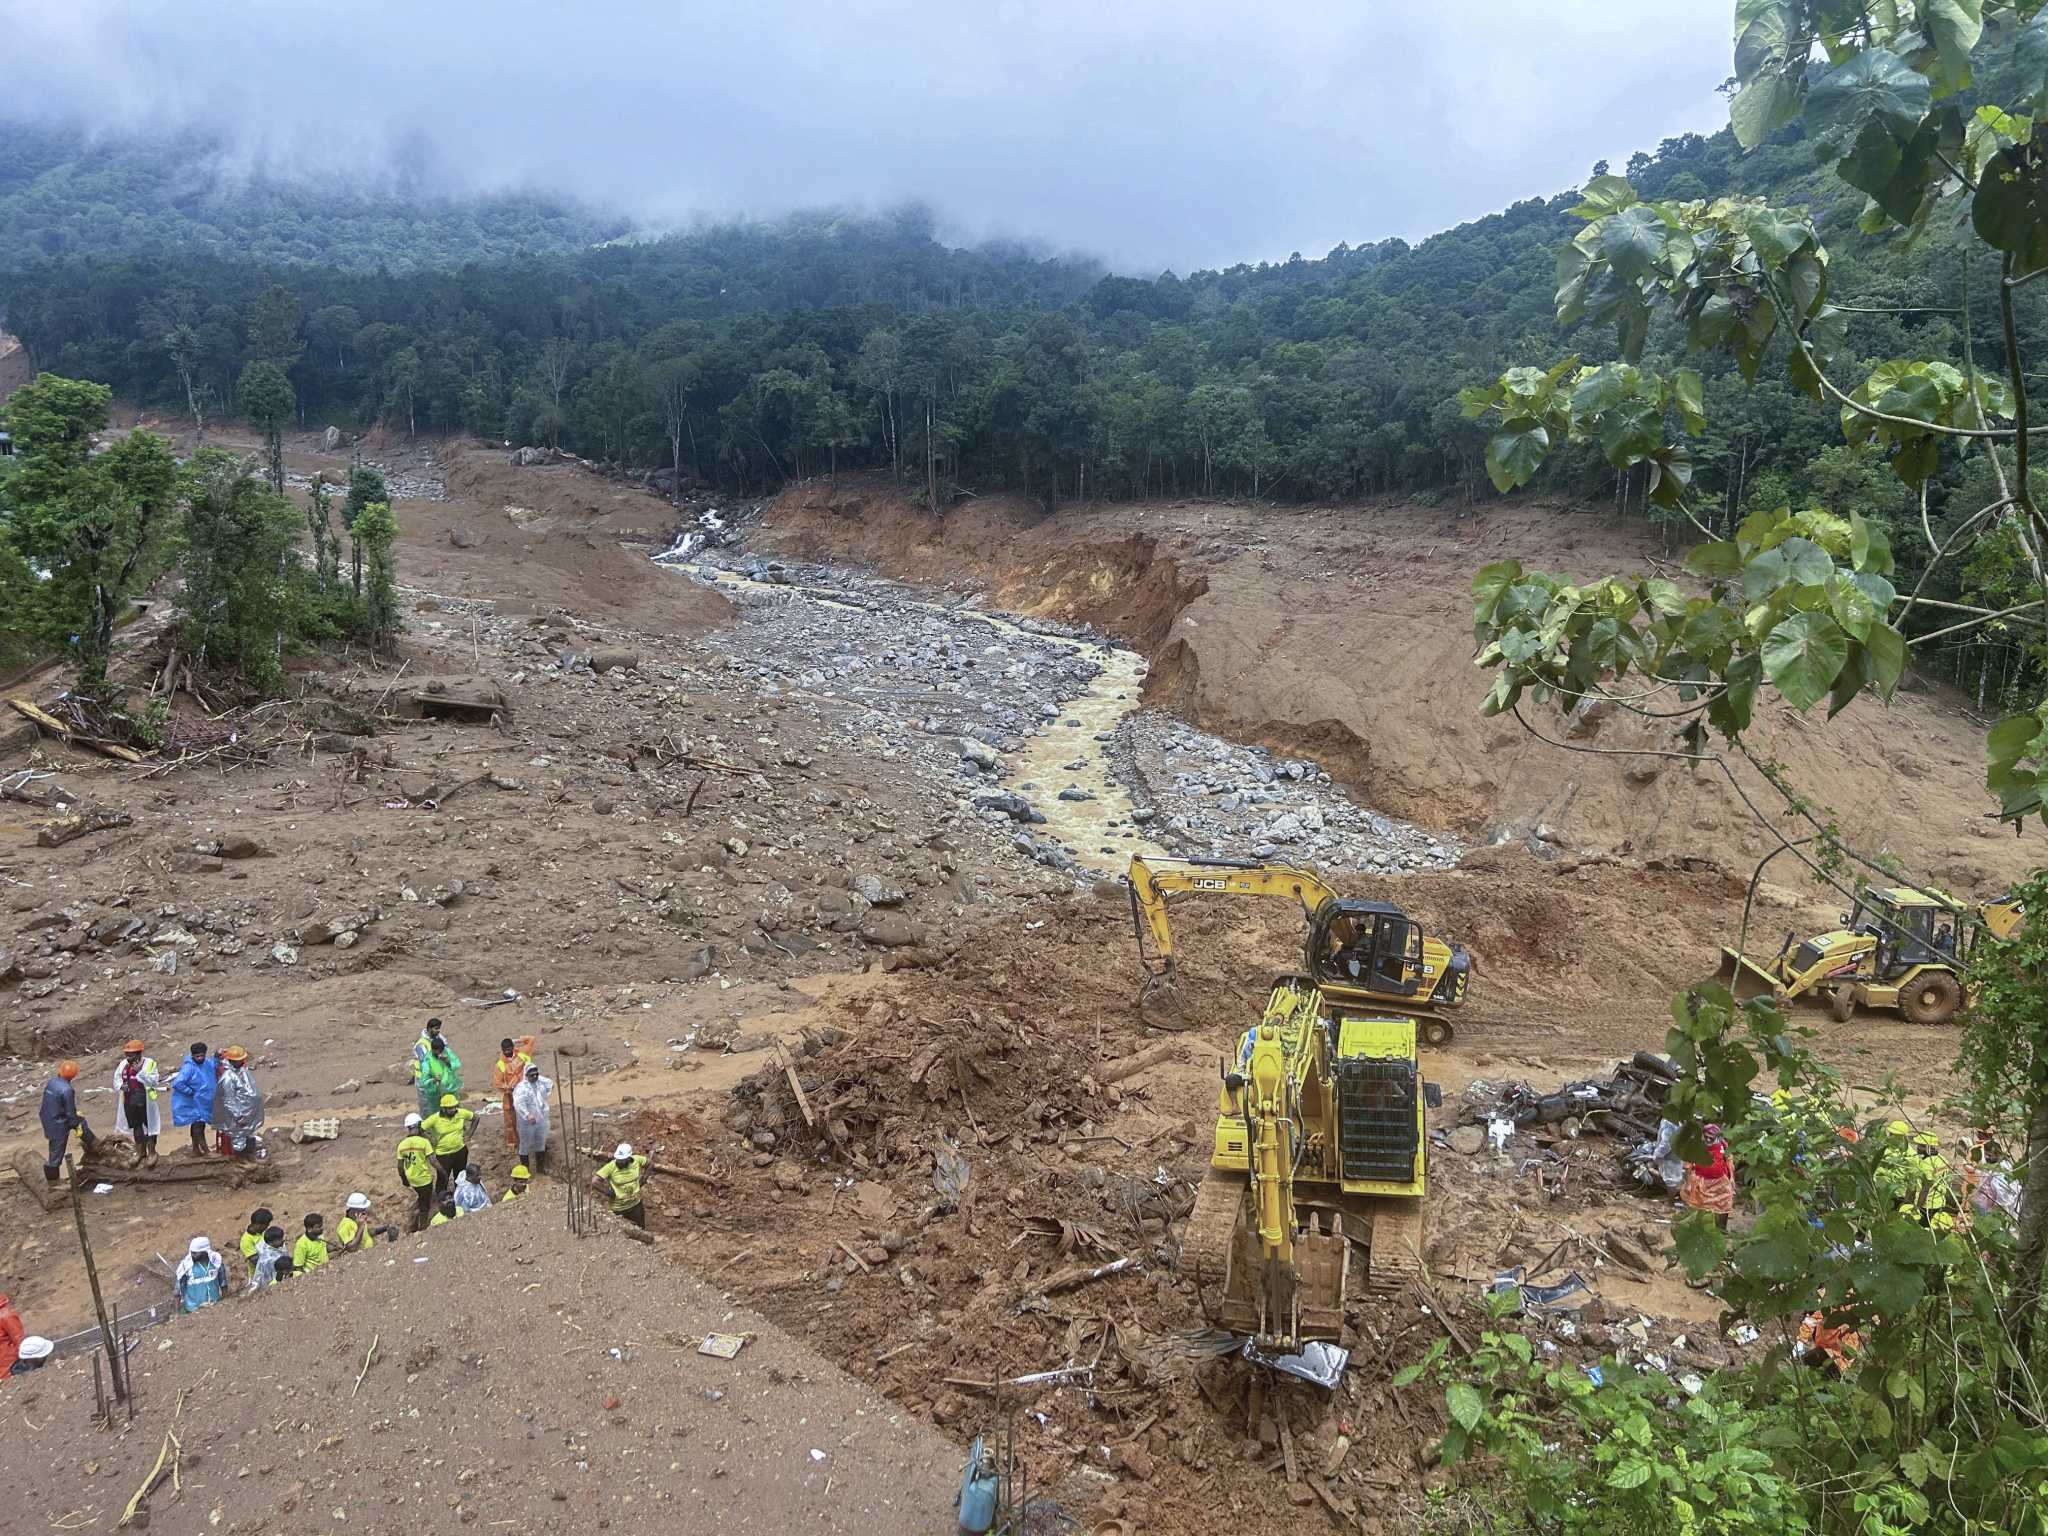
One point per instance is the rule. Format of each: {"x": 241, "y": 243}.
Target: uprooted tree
{"x": 1940, "y": 1424}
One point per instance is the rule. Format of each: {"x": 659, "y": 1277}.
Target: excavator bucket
{"x": 1744, "y": 977}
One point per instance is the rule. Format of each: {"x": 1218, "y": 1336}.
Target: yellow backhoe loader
{"x": 1363, "y": 953}
{"x": 1902, "y": 947}
{"x": 1320, "y": 1142}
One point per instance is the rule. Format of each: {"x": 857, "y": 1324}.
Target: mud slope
{"x": 1345, "y": 634}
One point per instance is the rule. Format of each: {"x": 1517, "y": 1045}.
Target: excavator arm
{"x": 1152, "y": 880}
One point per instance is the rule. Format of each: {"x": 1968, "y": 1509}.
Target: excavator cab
{"x": 1366, "y": 944}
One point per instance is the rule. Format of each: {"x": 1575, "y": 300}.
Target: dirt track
{"x": 831, "y": 885}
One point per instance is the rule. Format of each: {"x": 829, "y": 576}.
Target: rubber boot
{"x": 150, "y": 1156}
{"x": 49, "y": 1174}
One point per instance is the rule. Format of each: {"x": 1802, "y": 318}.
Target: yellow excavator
{"x": 1320, "y": 1142}
{"x": 1362, "y": 953}
{"x": 1901, "y": 947}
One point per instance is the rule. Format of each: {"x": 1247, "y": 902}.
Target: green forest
{"x": 64, "y": 196}
{"x": 745, "y": 355}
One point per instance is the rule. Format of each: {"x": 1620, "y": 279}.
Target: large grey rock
{"x": 979, "y": 753}
{"x": 330, "y": 439}
{"x": 891, "y": 930}
{"x": 876, "y": 892}
{"x": 621, "y": 660}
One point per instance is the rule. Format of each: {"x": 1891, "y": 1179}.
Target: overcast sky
{"x": 1153, "y": 133}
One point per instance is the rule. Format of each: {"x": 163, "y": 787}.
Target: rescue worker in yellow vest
{"x": 1913, "y": 1171}
{"x": 448, "y": 1129}
{"x": 252, "y": 1237}
{"x": 353, "y": 1233}
{"x": 416, "y": 1171}
{"x": 447, "y": 1213}
{"x": 521, "y": 1175}
{"x": 310, "y": 1251}
{"x": 622, "y": 1176}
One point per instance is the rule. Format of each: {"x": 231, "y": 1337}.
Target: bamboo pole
{"x": 117, "y": 1368}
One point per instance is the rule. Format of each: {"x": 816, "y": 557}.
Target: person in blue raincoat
{"x": 192, "y": 1093}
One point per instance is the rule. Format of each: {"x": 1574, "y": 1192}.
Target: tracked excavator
{"x": 1320, "y": 1143}
{"x": 1357, "y": 953}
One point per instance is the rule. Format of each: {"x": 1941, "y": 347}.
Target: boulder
{"x": 461, "y": 537}
{"x": 873, "y": 890}
{"x": 891, "y": 930}
{"x": 330, "y": 440}
{"x": 615, "y": 660}
{"x": 240, "y": 845}
{"x": 979, "y": 753}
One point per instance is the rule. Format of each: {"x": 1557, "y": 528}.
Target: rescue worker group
{"x": 432, "y": 1156}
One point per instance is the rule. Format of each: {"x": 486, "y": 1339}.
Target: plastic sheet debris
{"x": 1543, "y": 1298}
{"x": 103, "y": 1189}
{"x": 1692, "y": 1384}
{"x": 951, "y": 1172}
{"x": 722, "y": 1346}
{"x": 1497, "y": 1133}
{"x": 1595, "y": 1375}
{"x": 1320, "y": 1363}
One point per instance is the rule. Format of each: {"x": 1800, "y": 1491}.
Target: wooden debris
{"x": 56, "y": 727}
{"x": 170, "y": 1451}
{"x": 56, "y": 833}
{"x": 847, "y": 1248}
{"x": 1130, "y": 1066}
{"x": 795, "y": 1086}
{"x": 1080, "y": 1275}
{"x": 449, "y": 706}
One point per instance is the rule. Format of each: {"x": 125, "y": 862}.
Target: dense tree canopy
{"x": 750, "y": 354}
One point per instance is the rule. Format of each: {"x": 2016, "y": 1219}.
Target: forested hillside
{"x": 749, "y": 355}
{"x": 65, "y": 196}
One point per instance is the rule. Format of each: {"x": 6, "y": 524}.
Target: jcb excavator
{"x": 1901, "y": 947}
{"x": 1320, "y": 1142}
{"x": 1362, "y": 953}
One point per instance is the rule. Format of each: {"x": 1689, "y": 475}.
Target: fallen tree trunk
{"x": 1131, "y": 1066}
{"x": 62, "y": 829}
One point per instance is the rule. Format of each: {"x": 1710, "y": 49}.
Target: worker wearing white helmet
{"x": 199, "y": 1275}
{"x": 416, "y": 1171}
{"x": 35, "y": 1353}
{"x": 622, "y": 1176}
{"x": 352, "y": 1234}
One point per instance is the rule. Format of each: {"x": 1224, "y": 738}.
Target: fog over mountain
{"x": 1155, "y": 135}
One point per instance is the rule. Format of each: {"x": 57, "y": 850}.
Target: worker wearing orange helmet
{"x": 61, "y": 1118}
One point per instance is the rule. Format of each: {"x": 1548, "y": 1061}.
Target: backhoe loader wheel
{"x": 1435, "y": 1032}
{"x": 1932, "y": 997}
{"x": 1841, "y": 1004}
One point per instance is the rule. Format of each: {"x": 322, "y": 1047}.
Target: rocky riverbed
{"x": 1037, "y": 727}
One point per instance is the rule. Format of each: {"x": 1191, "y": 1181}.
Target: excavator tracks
{"x": 1396, "y": 1259}
{"x": 1206, "y": 1241}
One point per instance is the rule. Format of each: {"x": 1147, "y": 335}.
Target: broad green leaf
{"x": 2012, "y": 738}
{"x": 1776, "y": 235}
{"x": 1916, "y": 460}
{"x": 1474, "y": 402}
{"x": 1873, "y": 84}
{"x": 1806, "y": 562}
{"x": 2030, "y": 61}
{"x": 1698, "y": 1243}
{"x": 1691, "y": 397}
{"x": 1516, "y": 452}
{"x": 1885, "y": 648}
{"x": 1895, "y": 172}
{"x": 1954, "y": 27}
{"x": 1604, "y": 195}
{"x": 1631, "y": 432}
{"x": 1762, "y": 107}
{"x": 1464, "y": 1404}
{"x": 1663, "y": 596}
{"x": 1764, "y": 574}
{"x": 1632, "y": 1473}
{"x": 1408, "y": 1375}
{"x": 1489, "y": 581}
{"x": 1802, "y": 655}
{"x": 1763, "y": 37}
{"x": 1850, "y": 681}
{"x": 2011, "y": 208}
{"x": 1852, "y": 609}
{"x": 1633, "y": 241}
{"x": 1720, "y": 559}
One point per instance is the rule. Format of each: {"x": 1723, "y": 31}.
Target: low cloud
{"x": 1156, "y": 135}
